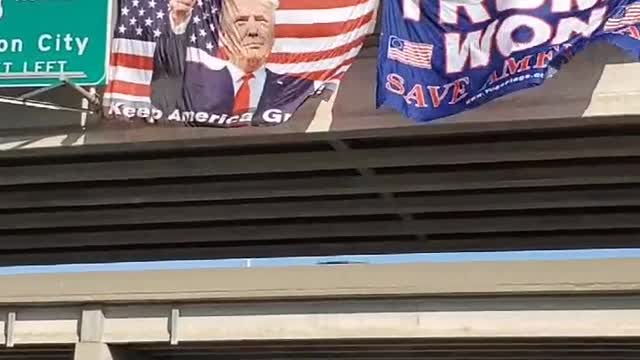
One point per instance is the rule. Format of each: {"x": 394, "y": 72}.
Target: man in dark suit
{"x": 242, "y": 88}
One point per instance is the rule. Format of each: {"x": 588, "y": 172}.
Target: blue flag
{"x": 441, "y": 57}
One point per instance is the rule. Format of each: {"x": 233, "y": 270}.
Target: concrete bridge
{"x": 531, "y": 310}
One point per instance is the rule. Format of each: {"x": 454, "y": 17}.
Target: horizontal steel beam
{"x": 459, "y": 202}
{"x": 486, "y": 178}
{"x": 207, "y": 165}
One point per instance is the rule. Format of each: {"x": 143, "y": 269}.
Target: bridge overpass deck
{"x": 470, "y": 311}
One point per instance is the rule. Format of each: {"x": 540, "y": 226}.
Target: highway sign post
{"x": 44, "y": 41}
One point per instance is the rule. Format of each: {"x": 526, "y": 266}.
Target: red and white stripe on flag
{"x": 631, "y": 17}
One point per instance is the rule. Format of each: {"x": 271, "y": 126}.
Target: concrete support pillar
{"x": 9, "y": 327}
{"x": 93, "y": 351}
{"x": 101, "y": 351}
{"x": 91, "y": 345}
{"x": 91, "y": 326}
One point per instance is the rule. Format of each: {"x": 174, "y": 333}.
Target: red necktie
{"x": 243, "y": 97}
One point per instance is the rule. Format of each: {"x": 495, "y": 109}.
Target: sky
{"x": 316, "y": 261}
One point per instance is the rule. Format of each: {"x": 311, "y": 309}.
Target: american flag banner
{"x": 410, "y": 53}
{"x": 630, "y": 16}
{"x": 442, "y": 58}
{"x": 229, "y": 63}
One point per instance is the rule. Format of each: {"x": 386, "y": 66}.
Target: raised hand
{"x": 180, "y": 10}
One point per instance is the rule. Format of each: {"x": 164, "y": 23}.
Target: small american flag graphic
{"x": 410, "y": 53}
{"x": 630, "y": 17}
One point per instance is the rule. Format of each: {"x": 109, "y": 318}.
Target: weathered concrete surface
{"x": 594, "y": 86}
{"x": 423, "y": 317}
{"x": 532, "y": 277}
{"x": 472, "y": 300}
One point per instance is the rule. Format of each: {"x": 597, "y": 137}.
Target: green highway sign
{"x": 42, "y": 40}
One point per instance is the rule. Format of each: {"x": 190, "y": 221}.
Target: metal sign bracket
{"x": 26, "y": 99}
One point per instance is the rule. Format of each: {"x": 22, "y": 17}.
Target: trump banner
{"x": 230, "y": 63}
{"x": 441, "y": 57}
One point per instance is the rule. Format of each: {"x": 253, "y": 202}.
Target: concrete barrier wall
{"x": 423, "y": 317}
{"x": 553, "y": 299}
{"x": 454, "y": 279}
{"x": 595, "y": 85}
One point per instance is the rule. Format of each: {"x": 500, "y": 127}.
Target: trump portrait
{"x": 229, "y": 75}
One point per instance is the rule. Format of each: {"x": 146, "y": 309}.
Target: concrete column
{"x": 101, "y": 351}
{"x": 91, "y": 326}
{"x": 9, "y": 327}
{"x": 91, "y": 345}
{"x": 93, "y": 351}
